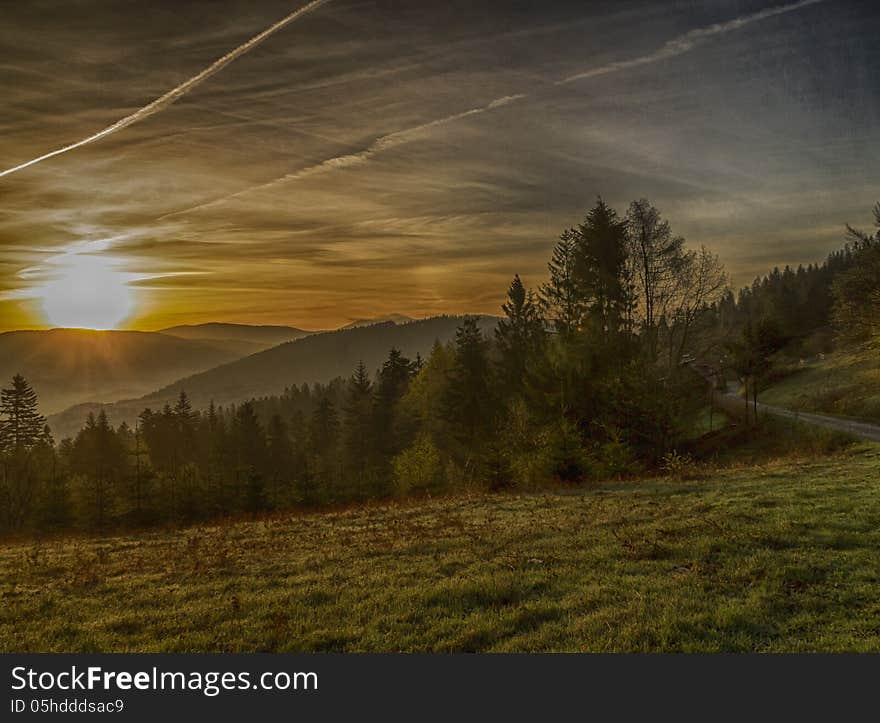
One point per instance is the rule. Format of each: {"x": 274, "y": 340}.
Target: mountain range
{"x": 318, "y": 357}
{"x": 68, "y": 366}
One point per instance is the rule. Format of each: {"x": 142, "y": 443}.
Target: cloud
{"x": 380, "y": 145}
{"x": 175, "y": 93}
{"x": 739, "y": 141}
{"x": 672, "y": 48}
{"x": 687, "y": 42}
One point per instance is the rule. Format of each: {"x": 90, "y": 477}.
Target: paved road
{"x": 733, "y": 403}
{"x": 857, "y": 429}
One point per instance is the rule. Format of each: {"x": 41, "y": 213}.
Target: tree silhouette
{"x": 358, "y": 439}
{"x": 22, "y": 426}
{"x": 601, "y": 268}
{"x": 469, "y": 402}
{"x": 517, "y": 336}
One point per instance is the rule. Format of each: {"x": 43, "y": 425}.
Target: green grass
{"x": 845, "y": 383}
{"x": 706, "y": 421}
{"x": 782, "y": 556}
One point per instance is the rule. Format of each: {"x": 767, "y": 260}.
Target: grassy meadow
{"x": 845, "y": 383}
{"x": 777, "y": 555}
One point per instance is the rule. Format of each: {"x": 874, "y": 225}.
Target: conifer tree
{"x": 99, "y": 460}
{"x": 393, "y": 381}
{"x": 601, "y": 269}
{"x": 560, "y": 299}
{"x": 357, "y": 430}
{"x": 21, "y": 424}
{"x": 517, "y": 336}
{"x": 469, "y": 400}
{"x": 279, "y": 458}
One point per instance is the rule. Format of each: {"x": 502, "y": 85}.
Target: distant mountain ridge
{"x": 261, "y": 337}
{"x": 70, "y": 366}
{"x": 319, "y": 357}
{"x": 394, "y": 318}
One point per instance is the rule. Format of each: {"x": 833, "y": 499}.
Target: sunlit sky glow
{"x": 376, "y": 157}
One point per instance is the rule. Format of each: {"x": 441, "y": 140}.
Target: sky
{"x": 378, "y": 156}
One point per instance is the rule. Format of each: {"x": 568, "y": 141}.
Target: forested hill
{"x": 315, "y": 358}
{"x": 801, "y": 302}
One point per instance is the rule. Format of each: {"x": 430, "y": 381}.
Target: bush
{"x": 617, "y": 459}
{"x": 418, "y": 468}
{"x": 679, "y": 466}
{"x": 557, "y": 454}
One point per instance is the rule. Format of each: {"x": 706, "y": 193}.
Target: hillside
{"x": 780, "y": 557}
{"x": 259, "y": 337}
{"x": 844, "y": 383}
{"x": 71, "y": 366}
{"x": 319, "y": 357}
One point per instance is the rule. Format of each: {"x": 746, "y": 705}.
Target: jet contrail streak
{"x": 672, "y": 48}
{"x": 684, "y": 43}
{"x": 383, "y": 143}
{"x": 172, "y": 95}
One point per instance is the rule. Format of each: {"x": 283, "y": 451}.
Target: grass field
{"x": 845, "y": 383}
{"x": 783, "y": 556}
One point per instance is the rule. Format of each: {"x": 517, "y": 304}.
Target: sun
{"x": 88, "y": 292}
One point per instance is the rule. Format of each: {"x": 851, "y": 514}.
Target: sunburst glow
{"x": 87, "y": 292}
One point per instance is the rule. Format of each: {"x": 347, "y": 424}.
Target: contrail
{"x": 383, "y": 143}
{"x": 672, "y": 48}
{"x": 172, "y": 95}
{"x": 684, "y": 43}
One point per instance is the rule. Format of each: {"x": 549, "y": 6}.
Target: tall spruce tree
{"x": 21, "y": 426}
{"x": 279, "y": 459}
{"x": 469, "y": 402}
{"x": 393, "y": 381}
{"x": 357, "y": 430}
{"x": 601, "y": 268}
{"x": 560, "y": 299}
{"x": 517, "y": 336}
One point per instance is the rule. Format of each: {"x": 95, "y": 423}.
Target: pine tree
{"x": 560, "y": 298}
{"x": 357, "y": 431}
{"x": 323, "y": 437}
{"x": 601, "y": 268}
{"x": 22, "y": 425}
{"x": 249, "y": 437}
{"x": 518, "y": 336}
{"x": 394, "y": 378}
{"x": 324, "y": 427}
{"x": 99, "y": 459}
{"x": 250, "y": 447}
{"x": 279, "y": 458}
{"x": 469, "y": 402}
{"x": 184, "y": 422}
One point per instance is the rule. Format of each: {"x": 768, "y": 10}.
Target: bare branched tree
{"x": 673, "y": 285}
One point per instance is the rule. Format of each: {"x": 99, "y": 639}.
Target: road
{"x": 862, "y": 430}
{"x": 732, "y": 403}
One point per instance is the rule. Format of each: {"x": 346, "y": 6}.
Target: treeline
{"x": 814, "y": 305}
{"x": 586, "y": 376}
{"x": 583, "y": 377}
{"x": 788, "y": 315}
{"x": 856, "y": 291}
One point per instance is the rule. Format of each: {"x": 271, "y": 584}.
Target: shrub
{"x": 418, "y": 468}
{"x": 679, "y": 466}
